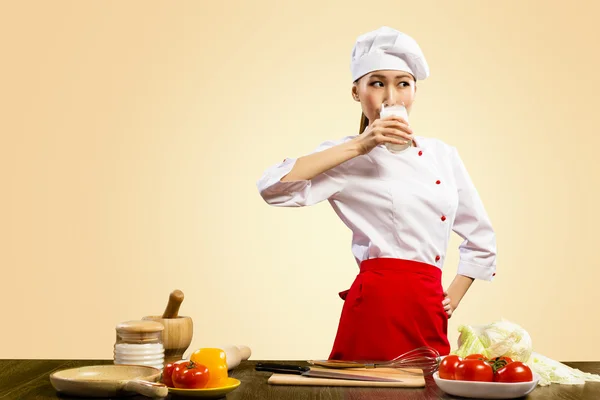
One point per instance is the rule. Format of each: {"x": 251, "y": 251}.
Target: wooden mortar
{"x": 179, "y": 330}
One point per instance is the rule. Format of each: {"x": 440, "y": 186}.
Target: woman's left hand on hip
{"x": 447, "y": 303}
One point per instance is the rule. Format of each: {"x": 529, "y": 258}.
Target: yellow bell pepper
{"x": 216, "y": 361}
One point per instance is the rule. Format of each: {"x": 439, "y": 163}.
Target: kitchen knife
{"x": 315, "y": 373}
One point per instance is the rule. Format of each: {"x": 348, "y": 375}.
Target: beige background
{"x": 133, "y": 134}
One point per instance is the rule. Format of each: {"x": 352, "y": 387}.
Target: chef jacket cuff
{"x": 476, "y": 271}
{"x": 274, "y": 184}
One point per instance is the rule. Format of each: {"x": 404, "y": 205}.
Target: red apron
{"x": 393, "y": 306}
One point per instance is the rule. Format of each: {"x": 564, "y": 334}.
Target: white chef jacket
{"x": 402, "y": 205}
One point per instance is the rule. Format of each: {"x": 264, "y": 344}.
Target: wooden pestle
{"x": 175, "y": 300}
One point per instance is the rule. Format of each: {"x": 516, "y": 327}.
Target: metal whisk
{"x": 424, "y": 358}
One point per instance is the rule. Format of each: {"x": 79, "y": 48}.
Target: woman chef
{"x": 401, "y": 208}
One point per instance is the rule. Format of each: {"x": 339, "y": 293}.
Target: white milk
{"x": 399, "y": 111}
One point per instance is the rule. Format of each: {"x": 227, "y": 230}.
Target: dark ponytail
{"x": 364, "y": 122}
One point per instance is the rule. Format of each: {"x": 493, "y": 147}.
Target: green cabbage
{"x": 505, "y": 338}
{"x": 469, "y": 342}
{"x": 551, "y": 371}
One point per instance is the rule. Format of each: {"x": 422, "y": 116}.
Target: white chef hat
{"x": 387, "y": 48}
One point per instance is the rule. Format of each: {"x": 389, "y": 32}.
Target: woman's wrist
{"x": 355, "y": 146}
{"x": 458, "y": 288}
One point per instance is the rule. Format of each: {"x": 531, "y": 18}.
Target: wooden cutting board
{"x": 405, "y": 379}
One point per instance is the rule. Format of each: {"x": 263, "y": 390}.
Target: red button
{"x": 437, "y": 182}
{"x": 437, "y": 258}
{"x": 420, "y": 153}
{"x": 443, "y": 217}
{"x": 494, "y": 274}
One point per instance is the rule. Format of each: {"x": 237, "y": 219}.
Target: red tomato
{"x": 499, "y": 362}
{"x": 167, "y": 374}
{"x": 514, "y": 372}
{"x": 448, "y": 366}
{"x": 474, "y": 370}
{"x": 476, "y": 357}
{"x": 189, "y": 375}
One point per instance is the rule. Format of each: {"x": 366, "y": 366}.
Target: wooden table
{"x": 29, "y": 379}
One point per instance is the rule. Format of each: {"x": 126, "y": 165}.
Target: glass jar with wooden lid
{"x": 140, "y": 343}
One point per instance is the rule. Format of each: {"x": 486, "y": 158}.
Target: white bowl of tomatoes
{"x": 476, "y": 376}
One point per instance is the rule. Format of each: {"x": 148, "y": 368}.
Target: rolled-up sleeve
{"x": 478, "y": 249}
{"x": 303, "y": 192}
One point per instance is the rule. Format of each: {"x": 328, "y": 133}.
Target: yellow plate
{"x": 209, "y": 393}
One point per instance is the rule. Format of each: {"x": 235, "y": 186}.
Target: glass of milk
{"x": 399, "y": 111}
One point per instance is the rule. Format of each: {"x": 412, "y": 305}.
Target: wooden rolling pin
{"x": 175, "y": 300}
